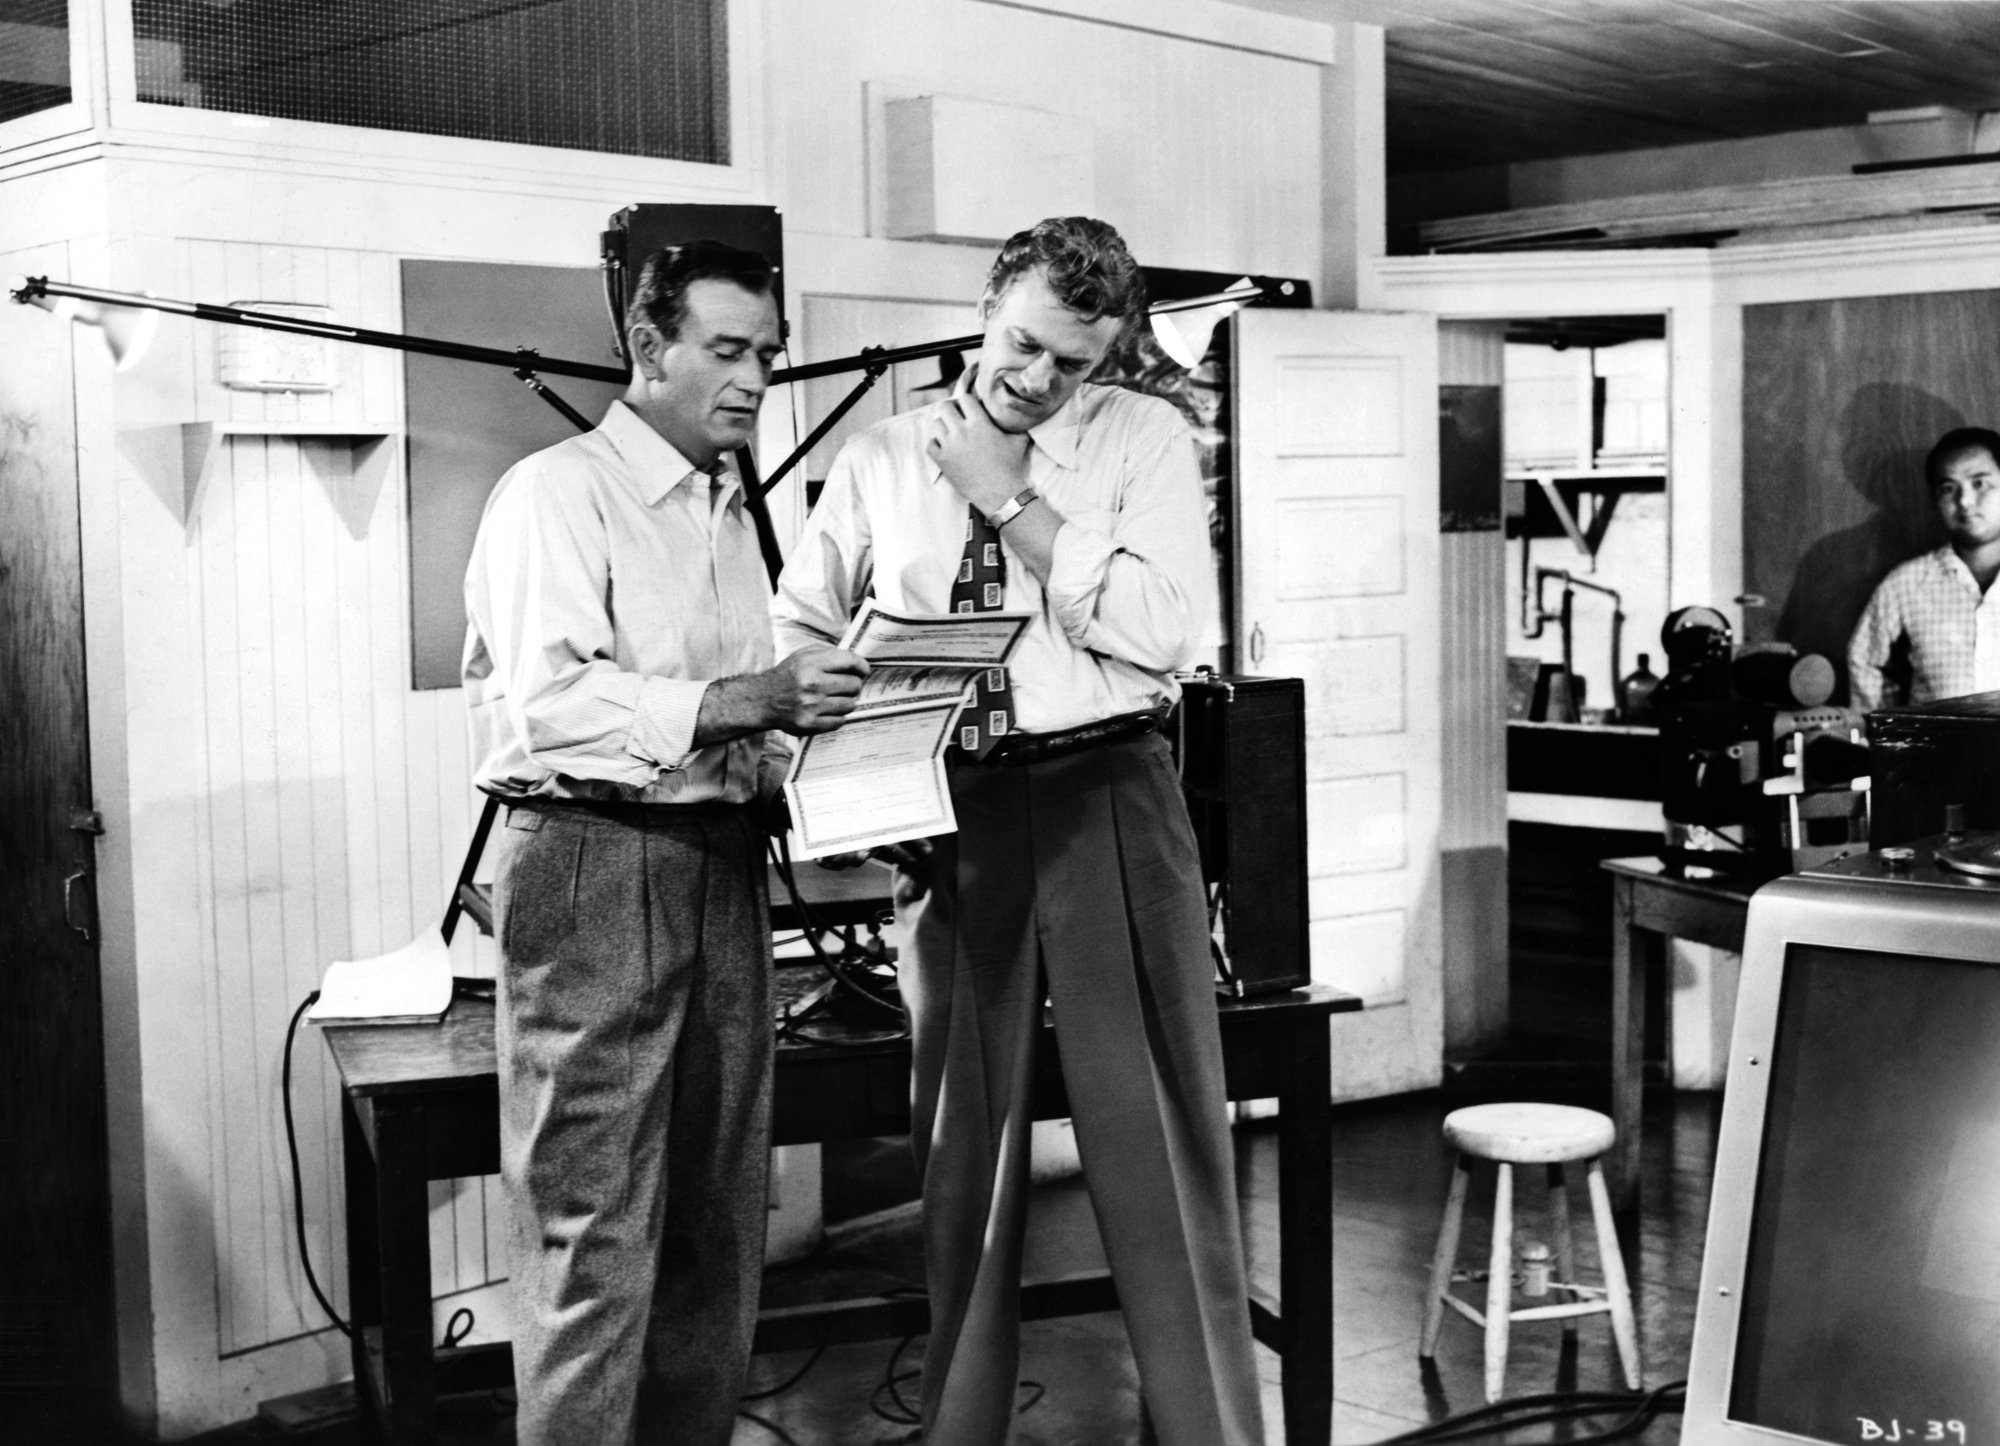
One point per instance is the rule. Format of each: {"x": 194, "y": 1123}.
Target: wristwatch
{"x": 1012, "y": 508}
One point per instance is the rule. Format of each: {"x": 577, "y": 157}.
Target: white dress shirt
{"x": 611, "y": 581}
{"x": 1130, "y": 588}
{"x": 1953, "y": 628}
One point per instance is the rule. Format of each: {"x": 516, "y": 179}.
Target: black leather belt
{"x": 1018, "y": 749}
{"x": 638, "y": 815}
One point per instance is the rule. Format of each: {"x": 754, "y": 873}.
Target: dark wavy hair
{"x": 1085, "y": 262}
{"x": 660, "y": 298}
{"x": 1957, "y": 442}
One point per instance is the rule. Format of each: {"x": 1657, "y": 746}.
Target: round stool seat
{"x": 1529, "y": 1134}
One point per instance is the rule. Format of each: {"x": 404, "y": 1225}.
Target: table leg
{"x": 402, "y": 1214}
{"x": 1628, "y": 1043}
{"x": 1305, "y": 1236}
{"x": 364, "y": 1254}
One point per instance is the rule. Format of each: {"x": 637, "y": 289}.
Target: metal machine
{"x": 1761, "y": 776}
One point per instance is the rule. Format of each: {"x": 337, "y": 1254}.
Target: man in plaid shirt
{"x": 1934, "y": 620}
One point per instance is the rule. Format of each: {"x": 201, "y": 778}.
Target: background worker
{"x": 1932, "y": 628}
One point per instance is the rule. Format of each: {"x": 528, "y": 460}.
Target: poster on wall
{"x": 468, "y": 424}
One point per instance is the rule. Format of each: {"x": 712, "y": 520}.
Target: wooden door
{"x": 1338, "y": 583}
{"x": 56, "y": 1326}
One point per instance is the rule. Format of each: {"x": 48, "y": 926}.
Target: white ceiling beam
{"x": 1211, "y": 22}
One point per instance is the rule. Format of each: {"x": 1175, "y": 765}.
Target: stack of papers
{"x": 412, "y": 985}
{"x": 879, "y": 778}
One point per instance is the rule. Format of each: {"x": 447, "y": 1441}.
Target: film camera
{"x": 1760, "y": 775}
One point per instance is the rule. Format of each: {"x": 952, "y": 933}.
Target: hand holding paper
{"x": 880, "y": 779}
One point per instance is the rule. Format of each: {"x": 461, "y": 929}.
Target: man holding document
{"x": 618, "y": 669}
{"x": 1072, "y": 875}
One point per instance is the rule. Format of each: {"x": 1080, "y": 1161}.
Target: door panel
{"x": 1338, "y": 584}
{"x": 55, "y": 1274}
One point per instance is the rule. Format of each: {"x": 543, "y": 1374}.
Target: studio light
{"x": 1183, "y": 330}
{"x": 126, "y": 331}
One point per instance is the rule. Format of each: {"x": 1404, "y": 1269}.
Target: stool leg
{"x": 1500, "y": 1283}
{"x": 1565, "y": 1238}
{"x": 1617, "y": 1291}
{"x": 1446, "y": 1257}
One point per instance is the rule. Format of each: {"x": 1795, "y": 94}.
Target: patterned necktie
{"x": 980, "y": 587}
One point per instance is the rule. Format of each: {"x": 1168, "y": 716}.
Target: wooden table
{"x": 421, "y": 1103}
{"x": 1648, "y": 900}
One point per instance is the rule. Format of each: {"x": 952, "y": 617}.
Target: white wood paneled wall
{"x": 1475, "y": 601}
{"x": 1472, "y": 833}
{"x": 1207, "y": 156}
{"x": 1475, "y": 691}
{"x": 335, "y": 801}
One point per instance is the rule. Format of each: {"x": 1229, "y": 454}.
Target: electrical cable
{"x": 298, "y": 1188}
{"x": 836, "y": 969}
{"x": 886, "y": 1400}
{"x": 769, "y": 1425}
{"x": 900, "y": 1412}
{"x": 452, "y": 1334}
{"x": 790, "y": 1381}
{"x": 1505, "y": 1416}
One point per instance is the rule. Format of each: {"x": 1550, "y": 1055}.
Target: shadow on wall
{"x": 1886, "y": 429}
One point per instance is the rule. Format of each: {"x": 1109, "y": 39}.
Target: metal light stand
{"x": 527, "y": 364}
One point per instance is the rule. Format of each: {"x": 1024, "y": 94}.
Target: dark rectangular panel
{"x": 1469, "y": 465}
{"x": 1243, "y": 757}
{"x": 469, "y": 423}
{"x": 34, "y": 56}
{"x": 1870, "y": 1295}
{"x": 56, "y": 1326}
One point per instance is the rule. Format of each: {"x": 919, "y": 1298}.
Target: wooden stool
{"x": 1529, "y": 1134}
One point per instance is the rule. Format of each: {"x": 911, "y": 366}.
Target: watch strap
{"x": 1012, "y": 508}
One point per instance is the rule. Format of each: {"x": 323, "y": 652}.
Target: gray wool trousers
{"x": 634, "y": 1039}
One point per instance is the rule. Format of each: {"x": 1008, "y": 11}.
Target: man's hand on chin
{"x": 984, "y": 465}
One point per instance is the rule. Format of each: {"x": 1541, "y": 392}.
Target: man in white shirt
{"x": 1073, "y": 877}
{"x": 618, "y": 669}
{"x": 1935, "y": 620}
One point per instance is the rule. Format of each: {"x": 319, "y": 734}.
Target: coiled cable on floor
{"x": 1505, "y": 1416}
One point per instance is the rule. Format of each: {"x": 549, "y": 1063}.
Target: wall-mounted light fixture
{"x": 125, "y": 331}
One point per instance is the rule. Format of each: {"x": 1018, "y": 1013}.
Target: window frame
{"x": 227, "y": 136}
{"x": 21, "y": 134}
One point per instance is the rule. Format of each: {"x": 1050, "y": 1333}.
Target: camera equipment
{"x": 1760, "y": 775}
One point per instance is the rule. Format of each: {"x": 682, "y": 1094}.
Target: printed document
{"x": 880, "y": 777}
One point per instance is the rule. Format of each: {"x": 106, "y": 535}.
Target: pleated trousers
{"x": 634, "y": 1039}
{"x": 1075, "y": 880}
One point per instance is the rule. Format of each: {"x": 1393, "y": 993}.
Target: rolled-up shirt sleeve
{"x": 1137, "y": 583}
{"x": 1868, "y": 649}
{"x": 573, "y": 709}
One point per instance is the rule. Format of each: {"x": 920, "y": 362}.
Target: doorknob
{"x": 1257, "y": 643}
{"x": 71, "y": 891}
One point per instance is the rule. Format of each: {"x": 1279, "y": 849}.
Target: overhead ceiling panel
{"x": 1480, "y": 82}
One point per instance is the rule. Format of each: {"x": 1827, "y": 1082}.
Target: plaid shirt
{"x": 1953, "y": 632}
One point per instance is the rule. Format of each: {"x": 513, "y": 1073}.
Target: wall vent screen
{"x": 632, "y": 77}
{"x": 34, "y": 56}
